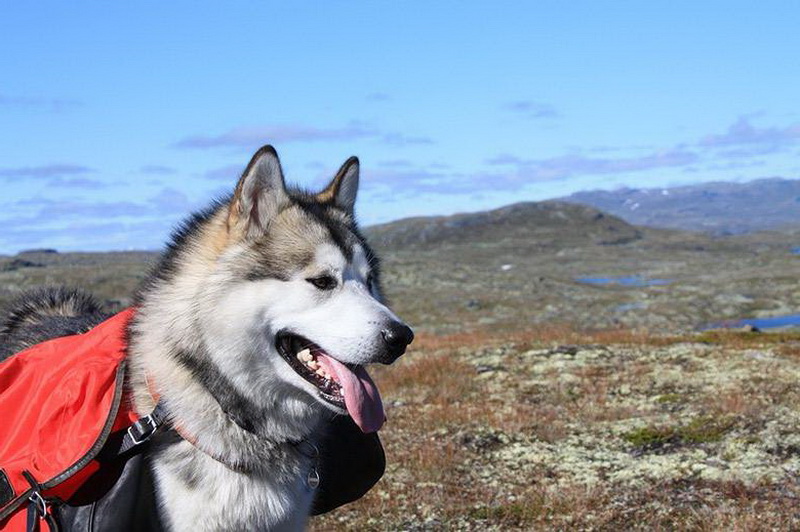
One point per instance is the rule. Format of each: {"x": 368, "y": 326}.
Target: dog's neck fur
{"x": 226, "y": 412}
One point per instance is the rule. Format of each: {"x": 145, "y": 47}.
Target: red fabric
{"x": 55, "y": 399}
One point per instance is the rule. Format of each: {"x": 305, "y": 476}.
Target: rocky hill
{"x": 543, "y": 223}
{"x": 719, "y": 208}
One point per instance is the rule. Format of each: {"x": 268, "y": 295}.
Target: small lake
{"x": 634, "y": 281}
{"x": 787, "y": 320}
{"x": 627, "y": 307}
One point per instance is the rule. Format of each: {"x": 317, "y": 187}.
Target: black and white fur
{"x": 270, "y": 260}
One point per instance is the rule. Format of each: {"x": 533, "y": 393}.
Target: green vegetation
{"x": 669, "y": 398}
{"x": 703, "y": 429}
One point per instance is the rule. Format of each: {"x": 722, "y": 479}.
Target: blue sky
{"x": 118, "y": 120}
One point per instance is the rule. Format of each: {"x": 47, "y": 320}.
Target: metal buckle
{"x": 39, "y": 503}
{"x": 145, "y": 432}
{"x": 312, "y": 479}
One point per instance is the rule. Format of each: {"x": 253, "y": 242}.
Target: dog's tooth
{"x": 321, "y": 372}
{"x": 305, "y": 355}
{"x": 313, "y": 364}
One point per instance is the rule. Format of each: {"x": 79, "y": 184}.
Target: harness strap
{"x": 180, "y": 431}
{"x": 38, "y": 509}
{"x": 144, "y": 428}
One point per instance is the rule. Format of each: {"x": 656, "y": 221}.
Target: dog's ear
{"x": 344, "y": 187}
{"x": 260, "y": 193}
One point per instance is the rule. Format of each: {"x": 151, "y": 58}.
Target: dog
{"x": 254, "y": 330}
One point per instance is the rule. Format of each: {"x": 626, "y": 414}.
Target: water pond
{"x": 635, "y": 281}
{"x": 787, "y": 320}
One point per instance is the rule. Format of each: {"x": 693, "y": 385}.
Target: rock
{"x": 46, "y": 251}
{"x": 17, "y": 264}
{"x": 486, "y": 368}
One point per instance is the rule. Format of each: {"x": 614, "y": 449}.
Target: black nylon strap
{"x": 38, "y": 507}
{"x": 33, "y": 518}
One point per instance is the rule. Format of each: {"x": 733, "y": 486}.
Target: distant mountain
{"x": 547, "y": 222}
{"x": 718, "y": 207}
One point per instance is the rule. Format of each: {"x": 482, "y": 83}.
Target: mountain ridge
{"x": 717, "y": 207}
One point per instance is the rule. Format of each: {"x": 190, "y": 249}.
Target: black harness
{"x": 344, "y": 467}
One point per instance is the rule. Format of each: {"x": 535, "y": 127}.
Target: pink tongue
{"x": 360, "y": 393}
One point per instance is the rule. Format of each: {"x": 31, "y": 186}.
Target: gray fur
{"x": 47, "y": 313}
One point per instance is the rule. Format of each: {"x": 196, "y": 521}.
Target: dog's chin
{"x": 306, "y": 374}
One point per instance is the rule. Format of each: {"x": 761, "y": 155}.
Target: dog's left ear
{"x": 344, "y": 187}
{"x": 260, "y": 193}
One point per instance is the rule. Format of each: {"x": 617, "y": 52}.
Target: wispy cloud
{"x": 48, "y": 170}
{"x": 505, "y": 158}
{"x": 157, "y": 169}
{"x": 53, "y": 210}
{"x": 171, "y": 201}
{"x": 743, "y": 132}
{"x": 398, "y": 139}
{"x": 251, "y": 137}
{"x": 57, "y": 214}
{"x": 408, "y": 180}
{"x": 742, "y": 146}
{"x": 509, "y": 173}
{"x": 54, "y": 105}
{"x": 377, "y": 97}
{"x": 532, "y": 109}
{"x": 75, "y": 183}
{"x": 231, "y": 173}
{"x": 396, "y": 163}
{"x": 725, "y": 166}
{"x": 570, "y": 165}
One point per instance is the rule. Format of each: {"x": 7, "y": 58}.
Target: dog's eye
{"x": 323, "y": 282}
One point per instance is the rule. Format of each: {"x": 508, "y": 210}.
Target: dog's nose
{"x": 397, "y": 336}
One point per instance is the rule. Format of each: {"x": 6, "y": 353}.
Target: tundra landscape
{"x": 570, "y": 371}
{"x": 588, "y": 212}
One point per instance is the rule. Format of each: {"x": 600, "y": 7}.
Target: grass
{"x": 541, "y": 432}
{"x": 703, "y": 429}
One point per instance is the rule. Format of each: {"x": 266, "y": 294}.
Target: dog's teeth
{"x": 305, "y": 355}
{"x": 313, "y": 364}
{"x": 321, "y": 372}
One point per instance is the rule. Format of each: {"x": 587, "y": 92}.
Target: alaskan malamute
{"x": 254, "y": 329}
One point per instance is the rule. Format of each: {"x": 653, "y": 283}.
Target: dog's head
{"x": 304, "y": 285}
